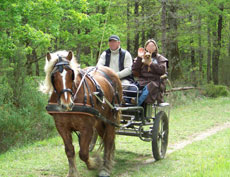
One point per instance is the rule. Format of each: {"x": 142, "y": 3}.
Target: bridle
{"x": 59, "y": 67}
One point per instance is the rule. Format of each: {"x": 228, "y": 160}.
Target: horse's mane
{"x": 46, "y": 85}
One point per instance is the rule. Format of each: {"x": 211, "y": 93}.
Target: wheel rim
{"x": 162, "y": 133}
{"x": 160, "y": 136}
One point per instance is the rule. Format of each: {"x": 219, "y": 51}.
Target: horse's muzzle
{"x": 67, "y": 107}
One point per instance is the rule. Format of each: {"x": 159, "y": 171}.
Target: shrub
{"x": 184, "y": 97}
{"x": 27, "y": 122}
{"x": 211, "y": 90}
{"x": 23, "y": 118}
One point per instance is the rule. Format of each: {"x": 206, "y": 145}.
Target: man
{"x": 117, "y": 59}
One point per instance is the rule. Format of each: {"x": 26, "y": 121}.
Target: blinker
{"x": 60, "y": 64}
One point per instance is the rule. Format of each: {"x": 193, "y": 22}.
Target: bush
{"x": 214, "y": 91}
{"x": 27, "y": 122}
{"x": 185, "y": 97}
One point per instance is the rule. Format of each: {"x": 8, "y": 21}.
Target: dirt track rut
{"x": 180, "y": 145}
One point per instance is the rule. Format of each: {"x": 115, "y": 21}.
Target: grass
{"x": 204, "y": 158}
{"x": 198, "y": 116}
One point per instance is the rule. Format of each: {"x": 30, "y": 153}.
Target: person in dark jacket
{"x": 149, "y": 67}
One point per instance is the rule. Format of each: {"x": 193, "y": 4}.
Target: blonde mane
{"x": 46, "y": 85}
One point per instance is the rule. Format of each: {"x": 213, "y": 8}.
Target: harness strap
{"x": 99, "y": 91}
{"x": 99, "y": 94}
{"x": 53, "y": 109}
{"x": 82, "y": 80}
{"x": 107, "y": 77}
{"x": 89, "y": 92}
{"x": 63, "y": 91}
{"x": 113, "y": 85}
{"x": 85, "y": 94}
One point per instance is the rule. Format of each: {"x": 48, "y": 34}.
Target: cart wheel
{"x": 160, "y": 135}
{"x": 93, "y": 141}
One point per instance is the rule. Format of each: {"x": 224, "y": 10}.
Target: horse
{"x": 84, "y": 100}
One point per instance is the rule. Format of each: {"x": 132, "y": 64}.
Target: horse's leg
{"x": 86, "y": 136}
{"x": 70, "y": 153}
{"x": 109, "y": 147}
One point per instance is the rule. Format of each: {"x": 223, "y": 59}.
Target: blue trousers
{"x": 143, "y": 96}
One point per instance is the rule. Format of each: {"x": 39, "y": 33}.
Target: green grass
{"x": 206, "y": 158}
{"x": 198, "y": 116}
{"x": 209, "y": 157}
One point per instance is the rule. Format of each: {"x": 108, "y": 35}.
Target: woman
{"x": 148, "y": 67}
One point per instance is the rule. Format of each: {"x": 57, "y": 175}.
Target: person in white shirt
{"x": 118, "y": 59}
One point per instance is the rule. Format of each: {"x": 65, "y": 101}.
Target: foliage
{"x": 179, "y": 98}
{"x": 29, "y": 29}
{"x": 22, "y": 116}
{"x": 26, "y": 122}
{"x": 211, "y": 90}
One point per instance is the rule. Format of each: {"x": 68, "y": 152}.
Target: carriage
{"x": 149, "y": 123}
{"x": 88, "y": 101}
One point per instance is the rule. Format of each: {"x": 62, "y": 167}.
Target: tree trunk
{"x": 217, "y": 47}
{"x": 143, "y": 37}
{"x": 163, "y": 27}
{"x": 29, "y": 64}
{"x": 136, "y": 38}
{"x": 193, "y": 64}
{"x": 200, "y": 56}
{"x": 209, "y": 78}
{"x": 229, "y": 43}
{"x": 78, "y": 51}
{"x": 128, "y": 25}
{"x": 34, "y": 55}
{"x": 173, "y": 49}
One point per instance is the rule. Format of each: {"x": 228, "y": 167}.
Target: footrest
{"x": 163, "y": 104}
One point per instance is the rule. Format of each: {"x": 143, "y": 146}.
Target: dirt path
{"x": 180, "y": 145}
{"x": 198, "y": 137}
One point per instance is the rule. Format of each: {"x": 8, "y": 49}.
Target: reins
{"x": 82, "y": 80}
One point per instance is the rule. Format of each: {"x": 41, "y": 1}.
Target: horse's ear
{"x": 70, "y": 56}
{"x": 48, "y": 56}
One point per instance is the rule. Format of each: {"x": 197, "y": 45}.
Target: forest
{"x": 193, "y": 34}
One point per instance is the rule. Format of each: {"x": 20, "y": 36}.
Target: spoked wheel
{"x": 160, "y": 135}
{"x": 93, "y": 141}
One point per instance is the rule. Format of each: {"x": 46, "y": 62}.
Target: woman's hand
{"x": 141, "y": 52}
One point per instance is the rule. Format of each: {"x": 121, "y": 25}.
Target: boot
{"x": 160, "y": 98}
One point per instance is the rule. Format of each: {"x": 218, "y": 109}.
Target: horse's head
{"x": 62, "y": 79}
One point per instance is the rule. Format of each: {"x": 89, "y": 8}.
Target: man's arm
{"x": 101, "y": 60}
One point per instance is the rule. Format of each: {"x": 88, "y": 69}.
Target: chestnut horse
{"x": 89, "y": 88}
